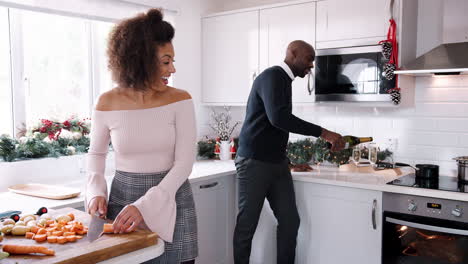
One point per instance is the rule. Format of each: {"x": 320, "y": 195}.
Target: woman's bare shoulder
{"x": 180, "y": 95}
{"x": 106, "y": 101}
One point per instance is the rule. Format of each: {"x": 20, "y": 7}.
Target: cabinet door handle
{"x": 374, "y": 221}
{"x": 309, "y": 89}
{"x": 254, "y": 75}
{"x": 209, "y": 185}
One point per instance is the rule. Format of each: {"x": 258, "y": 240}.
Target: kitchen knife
{"x": 95, "y": 228}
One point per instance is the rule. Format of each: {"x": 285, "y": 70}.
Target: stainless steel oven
{"x": 351, "y": 74}
{"x": 424, "y": 230}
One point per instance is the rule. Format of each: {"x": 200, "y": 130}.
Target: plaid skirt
{"x": 127, "y": 187}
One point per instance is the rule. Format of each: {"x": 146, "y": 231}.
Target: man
{"x": 261, "y": 163}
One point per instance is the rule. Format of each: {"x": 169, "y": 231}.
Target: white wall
{"x": 435, "y": 129}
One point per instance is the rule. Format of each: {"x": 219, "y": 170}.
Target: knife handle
{"x": 41, "y": 211}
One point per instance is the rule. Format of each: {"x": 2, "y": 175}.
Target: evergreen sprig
{"x": 7, "y": 148}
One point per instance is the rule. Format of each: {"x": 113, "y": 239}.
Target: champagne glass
{"x": 356, "y": 154}
{"x": 373, "y": 153}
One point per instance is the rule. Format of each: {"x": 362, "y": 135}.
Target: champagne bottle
{"x": 351, "y": 141}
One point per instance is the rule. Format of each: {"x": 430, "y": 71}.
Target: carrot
{"x": 61, "y": 240}
{"x": 71, "y": 238}
{"x": 29, "y": 235}
{"x": 68, "y": 233}
{"x": 50, "y": 222}
{"x": 108, "y": 228}
{"x": 79, "y": 237}
{"x": 41, "y": 231}
{"x": 40, "y": 238}
{"x": 34, "y": 229}
{"x": 23, "y": 249}
{"x": 57, "y": 233}
{"x": 72, "y": 216}
{"x": 52, "y": 239}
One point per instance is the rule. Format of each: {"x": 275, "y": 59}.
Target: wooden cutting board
{"x": 82, "y": 251}
{"x": 351, "y": 167}
{"x": 45, "y": 191}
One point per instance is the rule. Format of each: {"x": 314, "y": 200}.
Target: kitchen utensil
{"x": 427, "y": 171}
{"x": 46, "y": 191}
{"x": 95, "y": 227}
{"x": 380, "y": 165}
{"x": 462, "y": 169}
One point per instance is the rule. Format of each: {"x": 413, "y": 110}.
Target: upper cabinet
{"x": 230, "y": 57}
{"x": 344, "y": 23}
{"x": 238, "y": 46}
{"x": 278, "y": 27}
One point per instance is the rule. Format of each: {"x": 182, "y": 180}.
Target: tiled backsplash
{"x": 434, "y": 130}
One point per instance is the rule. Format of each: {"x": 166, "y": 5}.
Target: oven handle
{"x": 374, "y": 220}
{"x": 428, "y": 227}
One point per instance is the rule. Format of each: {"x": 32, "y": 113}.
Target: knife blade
{"x": 95, "y": 228}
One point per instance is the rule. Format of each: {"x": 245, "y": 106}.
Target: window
{"x": 101, "y": 35}
{"x": 6, "y": 117}
{"x": 56, "y": 66}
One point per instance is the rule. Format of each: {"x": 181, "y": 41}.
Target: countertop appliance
{"x": 443, "y": 183}
{"x": 427, "y": 230}
{"x": 351, "y": 75}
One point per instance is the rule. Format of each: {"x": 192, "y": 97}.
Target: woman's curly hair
{"x": 132, "y": 49}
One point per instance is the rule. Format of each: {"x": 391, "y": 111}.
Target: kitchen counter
{"x": 209, "y": 169}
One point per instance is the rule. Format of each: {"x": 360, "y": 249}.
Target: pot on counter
{"x": 427, "y": 171}
{"x": 462, "y": 169}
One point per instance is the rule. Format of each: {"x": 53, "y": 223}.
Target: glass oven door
{"x": 410, "y": 239}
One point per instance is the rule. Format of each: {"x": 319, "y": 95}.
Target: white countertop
{"x": 206, "y": 170}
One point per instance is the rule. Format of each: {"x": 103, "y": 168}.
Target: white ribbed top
{"x": 146, "y": 140}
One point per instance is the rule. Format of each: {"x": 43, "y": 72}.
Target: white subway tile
{"x": 417, "y": 152}
{"x": 452, "y": 124}
{"x": 414, "y": 123}
{"x": 463, "y": 141}
{"x": 447, "y": 154}
{"x": 442, "y": 81}
{"x": 424, "y": 94}
{"x": 433, "y": 139}
{"x": 442, "y": 109}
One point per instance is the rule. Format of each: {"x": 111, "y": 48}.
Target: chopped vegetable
{"x": 24, "y": 249}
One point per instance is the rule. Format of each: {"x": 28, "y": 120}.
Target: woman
{"x": 152, "y": 129}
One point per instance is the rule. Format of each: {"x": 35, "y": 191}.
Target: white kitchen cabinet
{"x": 278, "y": 27}
{"x": 230, "y": 57}
{"x": 238, "y": 46}
{"x": 337, "y": 224}
{"x": 344, "y": 23}
{"x": 214, "y": 204}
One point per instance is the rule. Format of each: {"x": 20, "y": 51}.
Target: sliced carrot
{"x": 61, "y": 240}
{"x": 50, "y": 222}
{"x": 40, "y": 237}
{"x": 72, "y": 216}
{"x": 29, "y": 235}
{"x": 79, "y": 237}
{"x": 71, "y": 238}
{"x": 41, "y": 231}
{"x": 34, "y": 229}
{"x": 52, "y": 239}
{"x": 108, "y": 228}
{"x": 81, "y": 232}
{"x": 68, "y": 233}
{"x": 57, "y": 233}
{"x": 24, "y": 249}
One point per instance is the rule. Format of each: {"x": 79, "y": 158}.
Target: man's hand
{"x": 334, "y": 138}
{"x": 98, "y": 205}
{"x": 127, "y": 220}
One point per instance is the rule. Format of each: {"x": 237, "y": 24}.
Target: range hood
{"x": 445, "y": 59}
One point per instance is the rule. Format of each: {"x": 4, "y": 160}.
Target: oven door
{"x": 414, "y": 239}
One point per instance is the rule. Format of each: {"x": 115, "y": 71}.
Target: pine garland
{"x": 7, "y": 148}
{"x": 205, "y": 148}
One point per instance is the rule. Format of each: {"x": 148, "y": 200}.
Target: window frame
{"x": 19, "y": 79}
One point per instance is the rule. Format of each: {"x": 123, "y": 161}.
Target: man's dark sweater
{"x": 268, "y": 121}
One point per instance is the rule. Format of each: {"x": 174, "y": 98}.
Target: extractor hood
{"x": 445, "y": 59}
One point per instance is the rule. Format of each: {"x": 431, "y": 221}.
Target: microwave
{"x": 351, "y": 75}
